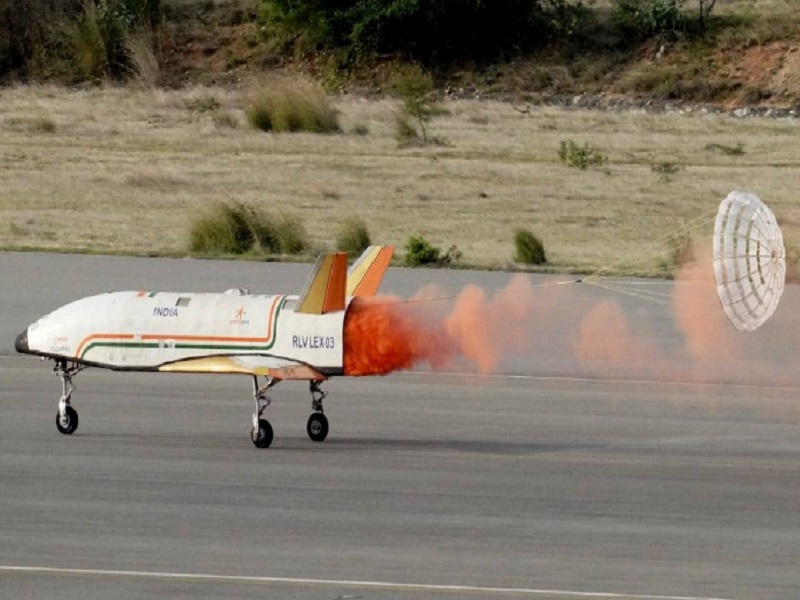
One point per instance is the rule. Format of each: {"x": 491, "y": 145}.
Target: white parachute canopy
{"x": 749, "y": 260}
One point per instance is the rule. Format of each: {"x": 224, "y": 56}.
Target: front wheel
{"x": 262, "y": 436}
{"x": 67, "y": 423}
{"x": 317, "y": 427}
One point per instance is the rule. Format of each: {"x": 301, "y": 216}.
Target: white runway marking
{"x": 374, "y": 585}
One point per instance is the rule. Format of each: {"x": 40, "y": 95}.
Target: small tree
{"x": 415, "y": 89}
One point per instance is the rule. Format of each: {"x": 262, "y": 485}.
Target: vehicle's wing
{"x": 246, "y": 364}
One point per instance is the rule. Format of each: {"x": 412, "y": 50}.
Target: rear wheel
{"x": 67, "y": 423}
{"x": 317, "y": 427}
{"x": 262, "y": 436}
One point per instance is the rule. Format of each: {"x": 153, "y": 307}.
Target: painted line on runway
{"x": 374, "y": 585}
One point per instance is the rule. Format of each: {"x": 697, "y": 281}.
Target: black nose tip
{"x": 21, "y": 344}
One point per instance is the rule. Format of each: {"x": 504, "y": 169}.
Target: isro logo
{"x": 239, "y": 317}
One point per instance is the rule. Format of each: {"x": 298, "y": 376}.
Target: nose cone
{"x": 21, "y": 344}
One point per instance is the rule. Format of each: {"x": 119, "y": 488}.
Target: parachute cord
{"x": 685, "y": 228}
{"x": 657, "y": 297}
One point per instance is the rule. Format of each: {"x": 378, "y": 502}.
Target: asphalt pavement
{"x": 657, "y": 471}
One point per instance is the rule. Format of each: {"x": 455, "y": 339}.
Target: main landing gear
{"x": 67, "y": 416}
{"x": 317, "y": 426}
{"x": 262, "y": 434}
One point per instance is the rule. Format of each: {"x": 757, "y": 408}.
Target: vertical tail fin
{"x": 366, "y": 274}
{"x": 324, "y": 290}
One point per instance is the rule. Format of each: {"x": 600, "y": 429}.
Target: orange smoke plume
{"x": 382, "y": 335}
{"x": 605, "y": 335}
{"x": 699, "y": 316}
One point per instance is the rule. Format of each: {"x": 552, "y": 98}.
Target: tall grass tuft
{"x": 236, "y": 228}
{"x": 226, "y": 229}
{"x": 291, "y": 234}
{"x": 530, "y": 250}
{"x": 291, "y": 106}
{"x": 140, "y": 48}
{"x": 353, "y": 236}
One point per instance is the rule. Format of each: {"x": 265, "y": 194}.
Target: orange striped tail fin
{"x": 324, "y": 291}
{"x": 366, "y": 274}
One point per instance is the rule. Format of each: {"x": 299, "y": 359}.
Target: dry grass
{"x": 126, "y": 170}
{"x": 141, "y": 50}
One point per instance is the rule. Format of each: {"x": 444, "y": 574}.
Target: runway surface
{"x": 557, "y": 477}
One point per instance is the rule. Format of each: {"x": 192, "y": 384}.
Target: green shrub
{"x": 642, "y": 19}
{"x": 431, "y": 31}
{"x": 353, "y": 236}
{"x": 291, "y": 234}
{"x": 290, "y": 106}
{"x": 226, "y": 229}
{"x": 420, "y": 251}
{"x": 579, "y": 157}
{"x": 235, "y": 228}
{"x": 530, "y": 250}
{"x": 266, "y": 236}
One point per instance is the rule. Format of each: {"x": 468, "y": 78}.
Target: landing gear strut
{"x": 317, "y": 426}
{"x": 66, "y": 417}
{"x": 261, "y": 434}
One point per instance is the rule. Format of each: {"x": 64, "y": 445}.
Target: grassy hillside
{"x": 750, "y": 55}
{"x": 127, "y": 163}
{"x": 745, "y": 53}
{"x": 120, "y": 170}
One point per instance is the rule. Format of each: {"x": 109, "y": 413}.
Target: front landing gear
{"x": 261, "y": 434}
{"x": 67, "y": 416}
{"x": 317, "y": 426}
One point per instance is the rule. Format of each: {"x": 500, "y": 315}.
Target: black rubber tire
{"x": 317, "y": 427}
{"x": 262, "y": 437}
{"x": 70, "y": 423}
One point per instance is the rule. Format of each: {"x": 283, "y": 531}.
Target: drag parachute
{"x": 749, "y": 260}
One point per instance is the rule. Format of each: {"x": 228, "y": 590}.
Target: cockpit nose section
{"x": 21, "y": 343}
